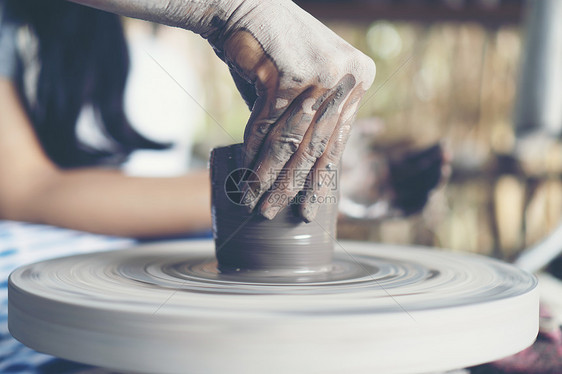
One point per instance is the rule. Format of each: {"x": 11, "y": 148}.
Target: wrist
{"x": 229, "y": 17}
{"x": 207, "y": 18}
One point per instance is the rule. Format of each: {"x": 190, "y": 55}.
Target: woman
{"x": 47, "y": 175}
{"x": 57, "y": 64}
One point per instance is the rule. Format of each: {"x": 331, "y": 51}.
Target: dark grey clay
{"x": 249, "y": 242}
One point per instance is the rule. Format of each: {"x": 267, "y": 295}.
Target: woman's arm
{"x": 33, "y": 189}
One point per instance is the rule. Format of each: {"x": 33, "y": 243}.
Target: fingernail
{"x": 271, "y": 212}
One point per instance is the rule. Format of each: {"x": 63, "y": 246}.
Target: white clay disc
{"x": 163, "y": 308}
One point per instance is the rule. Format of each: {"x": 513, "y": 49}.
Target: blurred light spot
{"x": 503, "y": 138}
{"x": 508, "y": 44}
{"x": 384, "y": 40}
{"x": 422, "y": 85}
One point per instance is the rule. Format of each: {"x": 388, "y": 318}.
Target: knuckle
{"x": 294, "y": 82}
{"x": 363, "y": 67}
{"x": 370, "y": 71}
{"x": 286, "y": 144}
{"x": 305, "y": 160}
{"x": 262, "y": 128}
{"x": 334, "y": 153}
{"x": 316, "y": 148}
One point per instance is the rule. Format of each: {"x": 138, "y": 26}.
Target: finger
{"x": 312, "y": 147}
{"x": 248, "y": 58}
{"x": 323, "y": 180}
{"x": 265, "y": 113}
{"x": 283, "y": 141}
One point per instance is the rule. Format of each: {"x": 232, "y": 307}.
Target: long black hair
{"x": 84, "y": 60}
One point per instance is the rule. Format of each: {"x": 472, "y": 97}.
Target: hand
{"x": 394, "y": 181}
{"x": 303, "y": 84}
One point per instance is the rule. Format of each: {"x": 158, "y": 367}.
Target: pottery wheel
{"x": 164, "y": 308}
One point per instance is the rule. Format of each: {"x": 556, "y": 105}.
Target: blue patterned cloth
{"x": 21, "y": 244}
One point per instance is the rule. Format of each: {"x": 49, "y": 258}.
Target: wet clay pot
{"x": 247, "y": 241}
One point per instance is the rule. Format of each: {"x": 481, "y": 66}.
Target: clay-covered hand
{"x": 303, "y": 84}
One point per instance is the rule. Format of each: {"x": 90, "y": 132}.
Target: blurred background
{"x": 447, "y": 71}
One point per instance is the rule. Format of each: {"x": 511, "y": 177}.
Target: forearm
{"x": 33, "y": 189}
{"x": 107, "y": 202}
{"x": 205, "y": 17}
{"x": 216, "y": 20}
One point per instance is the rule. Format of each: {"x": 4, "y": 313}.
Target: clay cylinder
{"x": 247, "y": 241}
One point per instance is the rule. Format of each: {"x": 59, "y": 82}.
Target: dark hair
{"x": 84, "y": 60}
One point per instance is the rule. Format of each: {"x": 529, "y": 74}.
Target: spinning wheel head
{"x": 165, "y": 308}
